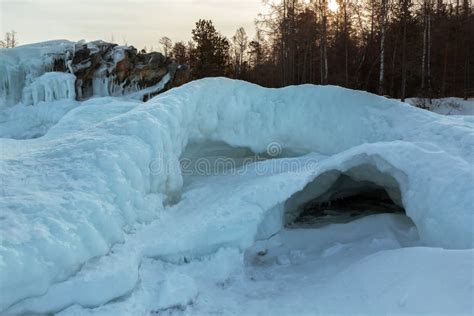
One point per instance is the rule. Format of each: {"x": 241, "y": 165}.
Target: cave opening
{"x": 341, "y": 197}
{"x": 341, "y": 210}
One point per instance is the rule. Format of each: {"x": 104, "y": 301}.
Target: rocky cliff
{"x": 95, "y": 69}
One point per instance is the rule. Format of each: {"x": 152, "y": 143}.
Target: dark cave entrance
{"x": 336, "y": 197}
{"x": 345, "y": 209}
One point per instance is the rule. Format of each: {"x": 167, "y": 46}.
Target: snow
{"x": 24, "y": 122}
{"x": 311, "y": 271}
{"x": 447, "y": 106}
{"x": 98, "y": 218}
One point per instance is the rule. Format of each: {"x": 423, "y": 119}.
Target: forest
{"x": 399, "y": 48}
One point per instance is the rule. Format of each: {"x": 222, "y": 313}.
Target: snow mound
{"x": 25, "y": 122}
{"x": 109, "y": 172}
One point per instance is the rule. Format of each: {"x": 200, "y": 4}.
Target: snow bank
{"x": 446, "y": 106}
{"x": 104, "y": 173}
{"x": 24, "y": 122}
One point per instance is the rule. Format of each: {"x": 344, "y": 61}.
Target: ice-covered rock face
{"x": 109, "y": 172}
{"x": 100, "y": 69}
{"x": 49, "y": 87}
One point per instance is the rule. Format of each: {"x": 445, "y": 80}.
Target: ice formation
{"x": 51, "y": 86}
{"x": 59, "y": 70}
{"x": 84, "y": 206}
{"x": 20, "y": 66}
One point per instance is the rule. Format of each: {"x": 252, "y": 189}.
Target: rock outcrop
{"x": 103, "y": 69}
{"x": 99, "y": 69}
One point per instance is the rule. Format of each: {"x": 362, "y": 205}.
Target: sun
{"x": 333, "y": 6}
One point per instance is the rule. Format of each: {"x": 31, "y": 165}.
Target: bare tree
{"x": 382, "y": 46}
{"x": 405, "y": 6}
{"x": 383, "y": 20}
{"x": 124, "y": 39}
{"x": 323, "y": 45}
{"x": 426, "y": 57}
{"x": 167, "y": 45}
{"x": 240, "y": 40}
{"x": 10, "y": 40}
{"x": 468, "y": 25}
{"x": 346, "y": 40}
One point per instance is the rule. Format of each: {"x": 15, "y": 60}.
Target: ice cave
{"x": 360, "y": 191}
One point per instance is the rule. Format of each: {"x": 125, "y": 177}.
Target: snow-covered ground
{"x": 371, "y": 266}
{"x": 180, "y": 204}
{"x": 445, "y": 106}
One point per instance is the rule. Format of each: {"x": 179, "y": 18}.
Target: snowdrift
{"x": 109, "y": 173}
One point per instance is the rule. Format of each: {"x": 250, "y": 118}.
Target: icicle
{"x": 49, "y": 87}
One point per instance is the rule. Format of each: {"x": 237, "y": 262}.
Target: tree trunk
{"x": 466, "y": 76}
{"x": 324, "y": 59}
{"x": 467, "y": 47}
{"x": 428, "y": 59}
{"x": 423, "y": 58}
{"x": 404, "y": 44}
{"x": 394, "y": 58}
{"x": 445, "y": 70}
{"x": 382, "y": 46}
{"x": 346, "y": 50}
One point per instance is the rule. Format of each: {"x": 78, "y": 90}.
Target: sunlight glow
{"x": 333, "y": 6}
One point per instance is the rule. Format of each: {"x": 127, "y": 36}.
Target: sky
{"x": 136, "y": 22}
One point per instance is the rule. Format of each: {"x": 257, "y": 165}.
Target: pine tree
{"x": 211, "y": 51}
{"x": 179, "y": 53}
